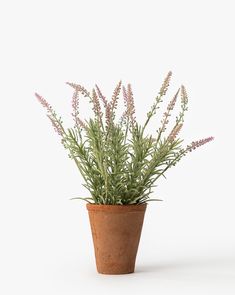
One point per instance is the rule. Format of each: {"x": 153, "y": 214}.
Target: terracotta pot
{"x": 116, "y": 231}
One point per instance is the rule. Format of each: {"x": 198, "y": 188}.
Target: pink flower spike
{"x": 75, "y": 108}
{"x": 56, "y": 125}
{"x": 131, "y": 104}
{"x": 96, "y": 104}
{"x": 125, "y": 97}
{"x": 184, "y": 95}
{"x": 101, "y": 96}
{"x": 171, "y": 104}
{"x": 43, "y": 102}
{"x": 165, "y": 84}
{"x": 198, "y": 143}
{"x": 79, "y": 88}
{"x": 174, "y": 133}
{"x": 75, "y": 102}
{"x": 81, "y": 123}
{"x": 115, "y": 96}
{"x": 108, "y": 114}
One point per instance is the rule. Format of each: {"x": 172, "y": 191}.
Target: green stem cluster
{"x": 121, "y": 163}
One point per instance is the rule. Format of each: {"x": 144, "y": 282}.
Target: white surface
{"x": 188, "y": 241}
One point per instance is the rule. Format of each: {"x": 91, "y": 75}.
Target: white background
{"x": 188, "y": 241}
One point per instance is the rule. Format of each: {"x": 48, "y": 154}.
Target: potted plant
{"x": 120, "y": 164}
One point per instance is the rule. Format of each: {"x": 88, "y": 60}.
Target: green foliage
{"x": 118, "y": 161}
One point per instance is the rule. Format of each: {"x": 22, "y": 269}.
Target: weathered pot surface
{"x": 116, "y": 231}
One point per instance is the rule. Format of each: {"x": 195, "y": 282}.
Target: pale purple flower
{"x": 80, "y": 123}
{"x": 165, "y": 84}
{"x": 79, "y": 88}
{"x": 56, "y": 125}
{"x": 101, "y": 96}
{"x": 96, "y": 105}
{"x": 174, "y": 133}
{"x": 124, "y": 115}
{"x": 51, "y": 114}
{"x": 115, "y": 96}
{"x": 75, "y": 108}
{"x": 167, "y": 114}
{"x": 184, "y": 95}
{"x": 125, "y": 97}
{"x": 171, "y": 104}
{"x": 43, "y": 102}
{"x": 198, "y": 143}
{"x": 75, "y": 101}
{"x": 108, "y": 114}
{"x": 130, "y": 105}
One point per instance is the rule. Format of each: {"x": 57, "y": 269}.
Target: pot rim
{"x": 116, "y": 208}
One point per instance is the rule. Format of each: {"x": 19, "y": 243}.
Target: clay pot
{"x": 116, "y": 231}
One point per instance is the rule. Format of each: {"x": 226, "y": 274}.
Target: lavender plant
{"x": 119, "y": 162}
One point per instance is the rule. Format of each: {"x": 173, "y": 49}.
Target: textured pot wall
{"x": 116, "y": 231}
